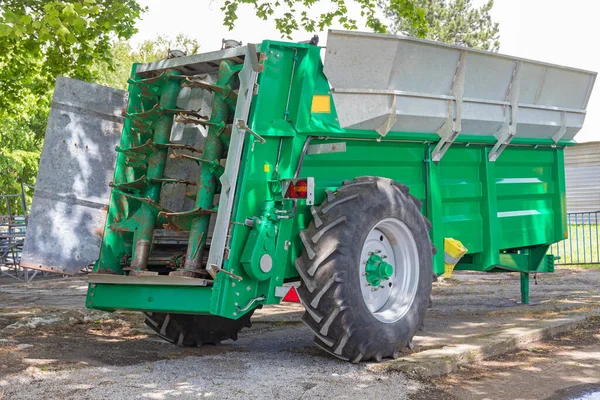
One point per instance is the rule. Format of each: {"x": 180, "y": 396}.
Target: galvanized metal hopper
{"x": 395, "y": 83}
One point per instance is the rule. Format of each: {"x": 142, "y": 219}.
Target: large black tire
{"x": 329, "y": 269}
{"x": 195, "y": 330}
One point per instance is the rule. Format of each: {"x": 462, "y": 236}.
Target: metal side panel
{"x": 72, "y": 188}
{"x": 402, "y": 84}
{"x": 247, "y": 76}
{"x": 194, "y": 64}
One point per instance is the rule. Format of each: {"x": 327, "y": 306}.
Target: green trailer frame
{"x": 507, "y": 213}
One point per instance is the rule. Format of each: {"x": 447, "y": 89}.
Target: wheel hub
{"x": 389, "y": 270}
{"x": 378, "y": 270}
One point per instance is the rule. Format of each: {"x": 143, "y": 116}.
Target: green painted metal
{"x": 524, "y": 288}
{"x": 147, "y": 213}
{"x": 213, "y": 150}
{"x": 377, "y": 270}
{"x": 256, "y": 257}
{"x": 506, "y": 213}
{"x": 133, "y": 208}
{"x": 181, "y": 299}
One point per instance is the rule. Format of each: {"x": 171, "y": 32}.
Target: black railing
{"x": 583, "y": 245}
{"x": 13, "y": 225}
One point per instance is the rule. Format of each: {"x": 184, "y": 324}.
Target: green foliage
{"x": 293, "y": 15}
{"x": 158, "y": 49}
{"x": 20, "y": 147}
{"x": 40, "y": 40}
{"x": 450, "y": 21}
{"x": 116, "y": 71}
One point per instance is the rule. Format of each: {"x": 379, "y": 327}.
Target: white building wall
{"x": 582, "y": 169}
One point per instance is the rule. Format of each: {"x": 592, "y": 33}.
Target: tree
{"x": 293, "y": 15}
{"x": 20, "y": 146}
{"x": 115, "y": 72}
{"x": 451, "y": 21}
{"x": 41, "y": 39}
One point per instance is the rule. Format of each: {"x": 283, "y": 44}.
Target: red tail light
{"x": 297, "y": 190}
{"x": 291, "y": 191}
{"x": 303, "y": 188}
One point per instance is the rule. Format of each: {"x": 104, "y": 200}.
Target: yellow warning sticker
{"x": 267, "y": 167}
{"x": 321, "y": 104}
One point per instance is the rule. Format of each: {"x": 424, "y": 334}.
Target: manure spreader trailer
{"x": 348, "y": 176}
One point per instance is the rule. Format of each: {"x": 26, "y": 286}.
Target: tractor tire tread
{"x": 186, "y": 330}
{"x": 323, "y": 282}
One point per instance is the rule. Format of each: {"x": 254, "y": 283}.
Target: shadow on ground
{"x": 557, "y": 369}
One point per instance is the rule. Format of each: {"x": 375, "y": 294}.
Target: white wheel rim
{"x": 392, "y": 240}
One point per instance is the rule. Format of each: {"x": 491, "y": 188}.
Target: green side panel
{"x": 229, "y": 294}
{"x": 461, "y": 192}
{"x": 180, "y": 299}
{"x": 399, "y": 161}
{"x": 527, "y": 209}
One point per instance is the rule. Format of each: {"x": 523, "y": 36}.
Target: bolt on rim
{"x": 389, "y": 242}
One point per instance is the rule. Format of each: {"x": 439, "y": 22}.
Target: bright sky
{"x": 553, "y": 31}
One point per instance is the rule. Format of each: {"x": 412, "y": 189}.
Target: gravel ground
{"x": 51, "y": 347}
{"x": 245, "y": 376}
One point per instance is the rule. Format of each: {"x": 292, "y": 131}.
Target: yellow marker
{"x": 453, "y": 252}
{"x": 321, "y": 104}
{"x": 267, "y": 168}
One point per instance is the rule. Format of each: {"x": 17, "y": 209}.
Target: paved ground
{"x": 51, "y": 347}
{"x": 566, "y": 367}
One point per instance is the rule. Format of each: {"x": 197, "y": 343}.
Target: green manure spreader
{"x": 337, "y": 175}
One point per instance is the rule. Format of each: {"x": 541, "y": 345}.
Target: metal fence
{"x": 13, "y": 226}
{"x": 583, "y": 245}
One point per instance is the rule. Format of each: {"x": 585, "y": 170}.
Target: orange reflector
{"x": 301, "y": 188}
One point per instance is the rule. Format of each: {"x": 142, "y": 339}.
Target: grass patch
{"x": 589, "y": 266}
